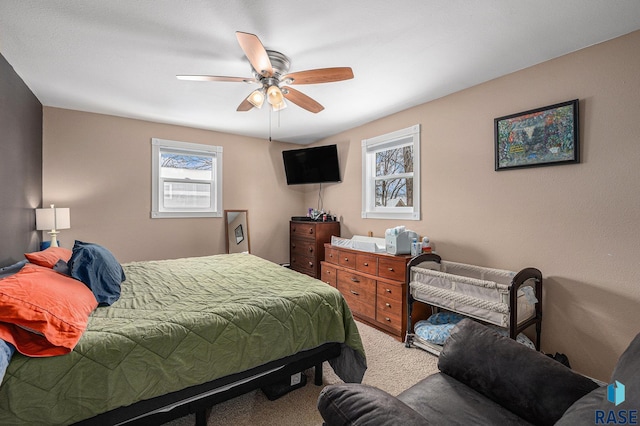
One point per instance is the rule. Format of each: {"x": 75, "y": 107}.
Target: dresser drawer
{"x": 328, "y": 274}
{"x": 352, "y": 282}
{"x": 304, "y": 264}
{"x": 390, "y": 291}
{"x": 366, "y": 263}
{"x": 360, "y": 306}
{"x": 388, "y": 307}
{"x": 302, "y": 247}
{"x": 307, "y": 242}
{"x": 389, "y": 312}
{"x": 302, "y": 230}
{"x": 347, "y": 259}
{"x": 359, "y": 293}
{"x": 394, "y": 269}
{"x": 331, "y": 255}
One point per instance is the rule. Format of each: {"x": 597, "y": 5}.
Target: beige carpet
{"x": 391, "y": 367}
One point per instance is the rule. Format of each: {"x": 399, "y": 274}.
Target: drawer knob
{"x": 293, "y": 245}
{"x": 355, "y": 279}
{"x": 310, "y": 249}
{"x": 388, "y": 305}
{"x": 346, "y": 259}
{"x": 311, "y": 230}
{"x": 328, "y": 282}
{"x": 327, "y": 272}
{"x": 391, "y": 269}
{"x": 387, "y": 319}
{"x": 310, "y": 264}
{"x": 388, "y": 290}
{"x": 355, "y": 292}
{"x": 330, "y": 254}
{"x": 366, "y": 263}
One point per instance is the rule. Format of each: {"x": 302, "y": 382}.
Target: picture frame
{"x": 539, "y": 137}
{"x": 239, "y": 234}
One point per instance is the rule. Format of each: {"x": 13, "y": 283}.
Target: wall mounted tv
{"x": 311, "y": 165}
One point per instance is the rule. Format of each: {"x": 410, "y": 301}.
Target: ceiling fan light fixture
{"x": 274, "y": 95}
{"x": 270, "y": 69}
{"x": 278, "y": 107}
{"x": 256, "y": 98}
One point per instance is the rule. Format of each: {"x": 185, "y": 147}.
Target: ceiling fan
{"x": 271, "y": 71}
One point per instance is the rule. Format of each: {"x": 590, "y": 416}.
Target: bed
{"x": 183, "y": 335}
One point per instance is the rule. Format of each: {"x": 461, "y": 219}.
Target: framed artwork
{"x": 539, "y": 137}
{"x": 239, "y": 234}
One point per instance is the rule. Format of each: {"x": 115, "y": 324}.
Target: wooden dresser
{"x": 373, "y": 284}
{"x": 306, "y": 244}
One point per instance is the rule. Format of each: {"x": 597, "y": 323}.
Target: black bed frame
{"x": 198, "y": 399}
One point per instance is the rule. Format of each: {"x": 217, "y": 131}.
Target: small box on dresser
{"x": 373, "y": 284}
{"x": 306, "y": 244}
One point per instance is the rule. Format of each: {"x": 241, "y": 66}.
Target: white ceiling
{"x": 120, "y": 57}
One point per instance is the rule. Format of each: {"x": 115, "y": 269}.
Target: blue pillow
{"x": 62, "y": 267}
{"x": 7, "y": 271}
{"x": 98, "y": 269}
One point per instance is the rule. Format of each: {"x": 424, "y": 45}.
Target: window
{"x": 391, "y": 175}
{"x": 187, "y": 179}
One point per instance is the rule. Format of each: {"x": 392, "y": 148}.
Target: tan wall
{"x": 100, "y": 167}
{"x": 579, "y": 224}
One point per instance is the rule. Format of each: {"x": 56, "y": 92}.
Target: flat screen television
{"x": 311, "y": 165}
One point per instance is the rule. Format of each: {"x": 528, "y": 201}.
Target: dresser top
{"x": 381, "y": 254}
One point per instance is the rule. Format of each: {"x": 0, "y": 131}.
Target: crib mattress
{"x": 475, "y": 291}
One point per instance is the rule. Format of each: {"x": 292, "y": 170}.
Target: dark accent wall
{"x": 20, "y": 165}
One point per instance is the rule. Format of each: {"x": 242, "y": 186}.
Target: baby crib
{"x": 509, "y": 300}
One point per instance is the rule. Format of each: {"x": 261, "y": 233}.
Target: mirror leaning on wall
{"x": 237, "y": 230}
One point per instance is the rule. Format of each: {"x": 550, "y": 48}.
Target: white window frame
{"x": 158, "y": 146}
{"x": 397, "y": 139}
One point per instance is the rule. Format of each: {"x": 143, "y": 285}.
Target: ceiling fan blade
{"x": 216, "y": 78}
{"x": 245, "y": 105}
{"x": 302, "y": 100}
{"x": 320, "y": 75}
{"x": 255, "y": 52}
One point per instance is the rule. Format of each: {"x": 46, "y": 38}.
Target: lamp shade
{"x": 53, "y": 218}
{"x": 256, "y": 98}
{"x": 274, "y": 95}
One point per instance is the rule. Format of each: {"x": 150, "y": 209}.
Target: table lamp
{"x": 53, "y": 219}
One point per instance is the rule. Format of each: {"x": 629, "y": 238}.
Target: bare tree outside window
{"x": 391, "y": 188}
{"x": 391, "y": 175}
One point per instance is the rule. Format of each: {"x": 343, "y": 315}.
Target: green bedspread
{"x": 179, "y": 323}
